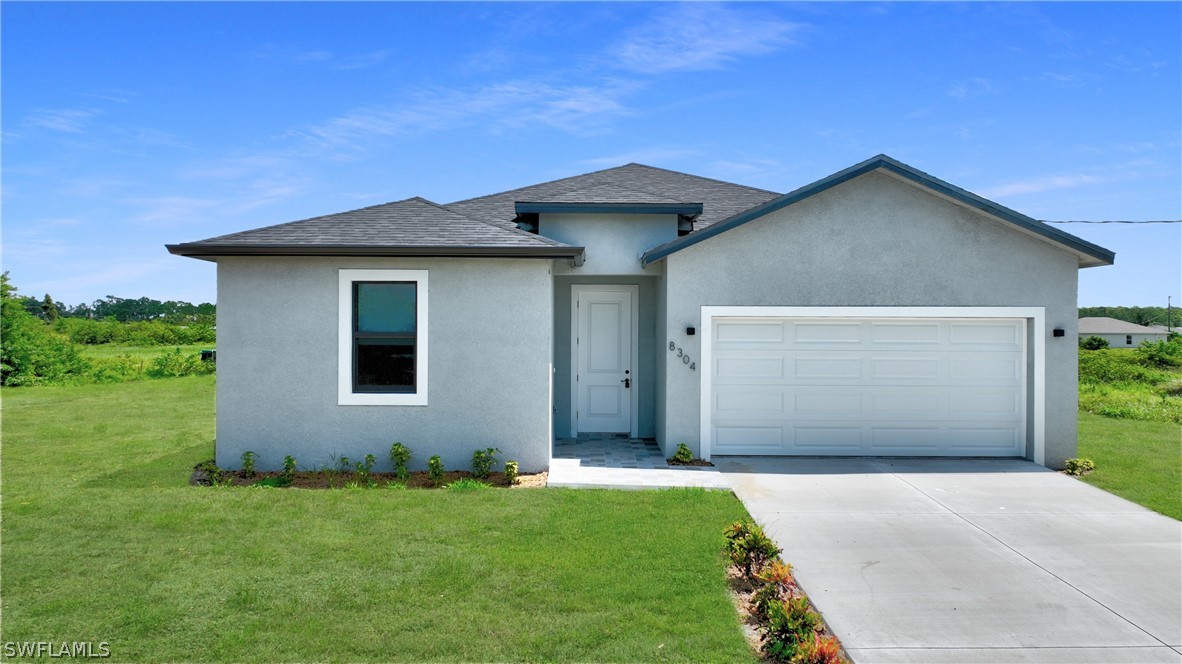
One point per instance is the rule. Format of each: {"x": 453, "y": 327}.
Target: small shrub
{"x": 789, "y": 624}
{"x": 1117, "y": 366}
{"x": 483, "y": 461}
{"x": 1079, "y": 467}
{"x": 683, "y": 454}
{"x": 217, "y": 476}
{"x": 511, "y": 472}
{"x": 435, "y": 469}
{"x": 343, "y": 465}
{"x": 365, "y": 467}
{"x": 820, "y": 650}
{"x": 1093, "y": 343}
{"x": 399, "y": 457}
{"x": 467, "y": 484}
{"x": 289, "y": 468}
{"x": 776, "y": 579}
{"x": 248, "y": 458}
{"x": 749, "y": 547}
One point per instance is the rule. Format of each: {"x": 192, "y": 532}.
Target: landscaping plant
{"x": 790, "y": 623}
{"x": 511, "y": 472}
{"x": 483, "y": 461}
{"x": 749, "y": 547}
{"x": 821, "y": 650}
{"x": 435, "y": 469}
{"x": 776, "y": 585}
{"x": 467, "y": 484}
{"x": 683, "y": 454}
{"x": 248, "y": 458}
{"x": 399, "y": 457}
{"x": 1078, "y": 467}
{"x": 289, "y": 469}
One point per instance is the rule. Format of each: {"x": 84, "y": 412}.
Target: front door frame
{"x": 634, "y": 292}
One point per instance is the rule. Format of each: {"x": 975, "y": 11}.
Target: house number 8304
{"x": 685, "y": 359}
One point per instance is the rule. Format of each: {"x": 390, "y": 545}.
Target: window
{"x": 382, "y": 345}
{"x": 1128, "y": 340}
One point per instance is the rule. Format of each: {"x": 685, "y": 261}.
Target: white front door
{"x": 603, "y": 359}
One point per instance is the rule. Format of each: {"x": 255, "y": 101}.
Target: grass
{"x": 105, "y": 541}
{"x": 145, "y": 353}
{"x": 1137, "y": 460}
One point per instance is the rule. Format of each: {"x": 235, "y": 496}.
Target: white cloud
{"x": 574, "y": 108}
{"x": 693, "y": 36}
{"x": 1038, "y": 185}
{"x": 68, "y": 120}
{"x": 977, "y": 87}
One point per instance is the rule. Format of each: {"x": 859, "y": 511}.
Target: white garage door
{"x": 873, "y": 386}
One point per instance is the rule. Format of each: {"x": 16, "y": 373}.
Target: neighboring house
{"x": 878, "y": 311}
{"x": 1119, "y": 333}
{"x": 1163, "y": 328}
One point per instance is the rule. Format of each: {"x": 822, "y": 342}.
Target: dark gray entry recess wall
{"x": 646, "y": 373}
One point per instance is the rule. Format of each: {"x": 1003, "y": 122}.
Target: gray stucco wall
{"x": 490, "y": 323}
{"x": 614, "y": 242}
{"x": 874, "y": 241}
{"x": 646, "y": 373}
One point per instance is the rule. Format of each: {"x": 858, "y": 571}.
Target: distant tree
{"x": 49, "y": 309}
{"x": 1137, "y": 315}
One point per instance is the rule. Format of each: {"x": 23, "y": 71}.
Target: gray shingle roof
{"x": 719, "y": 199}
{"x": 1103, "y": 325}
{"x": 414, "y": 223}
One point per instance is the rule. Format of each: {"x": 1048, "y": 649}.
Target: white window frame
{"x": 345, "y": 394}
{"x": 1035, "y": 317}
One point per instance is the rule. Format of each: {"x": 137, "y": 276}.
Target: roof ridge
{"x": 536, "y": 184}
{"x": 702, "y": 177}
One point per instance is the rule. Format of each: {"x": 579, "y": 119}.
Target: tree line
{"x": 122, "y": 310}
{"x": 1138, "y": 315}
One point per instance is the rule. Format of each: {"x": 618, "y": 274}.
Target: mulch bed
{"x": 692, "y": 462}
{"x": 338, "y": 480}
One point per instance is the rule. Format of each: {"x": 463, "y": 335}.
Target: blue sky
{"x": 130, "y": 125}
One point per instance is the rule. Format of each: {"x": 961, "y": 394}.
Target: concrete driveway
{"x": 914, "y": 560}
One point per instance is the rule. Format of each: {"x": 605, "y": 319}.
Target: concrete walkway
{"x": 971, "y": 560}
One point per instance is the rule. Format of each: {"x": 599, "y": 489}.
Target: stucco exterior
{"x": 613, "y": 242}
{"x": 874, "y": 241}
{"x": 491, "y": 323}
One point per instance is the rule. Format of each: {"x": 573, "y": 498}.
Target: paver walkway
{"x": 606, "y": 462}
{"x": 969, "y": 560}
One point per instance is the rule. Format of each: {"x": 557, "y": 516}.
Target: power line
{"x": 1162, "y": 221}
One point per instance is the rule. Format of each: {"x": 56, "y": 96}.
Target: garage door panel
{"x": 828, "y": 333}
{"x": 749, "y": 438}
{"x": 869, "y": 387}
{"x": 987, "y": 335}
{"x": 744, "y": 333}
{"x": 905, "y": 334}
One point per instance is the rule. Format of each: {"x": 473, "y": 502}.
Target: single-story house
{"x": 878, "y": 311}
{"x": 1119, "y": 333}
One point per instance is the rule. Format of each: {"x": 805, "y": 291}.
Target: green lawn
{"x": 103, "y": 540}
{"x": 1137, "y": 460}
{"x": 146, "y": 353}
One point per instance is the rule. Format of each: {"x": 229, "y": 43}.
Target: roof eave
{"x": 1090, "y": 255}
{"x": 687, "y": 209}
{"x": 200, "y": 250}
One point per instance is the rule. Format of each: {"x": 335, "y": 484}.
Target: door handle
{"x": 627, "y": 383}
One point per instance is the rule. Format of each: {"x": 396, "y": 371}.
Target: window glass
{"x": 385, "y": 307}
{"x": 384, "y": 336}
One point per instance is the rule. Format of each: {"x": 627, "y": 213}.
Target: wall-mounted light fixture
{"x": 1058, "y": 332}
{"x": 689, "y": 331}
